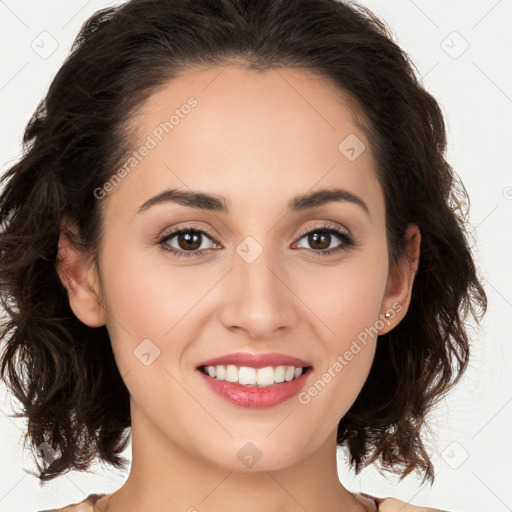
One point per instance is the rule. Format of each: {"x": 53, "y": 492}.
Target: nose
{"x": 257, "y": 298}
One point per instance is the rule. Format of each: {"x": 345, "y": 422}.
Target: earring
{"x": 388, "y": 315}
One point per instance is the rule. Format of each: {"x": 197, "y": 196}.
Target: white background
{"x": 470, "y": 440}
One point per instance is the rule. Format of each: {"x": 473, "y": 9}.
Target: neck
{"x": 164, "y": 477}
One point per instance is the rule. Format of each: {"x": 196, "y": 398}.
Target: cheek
{"x": 151, "y": 301}
{"x": 349, "y": 341}
{"x": 147, "y": 302}
{"x": 345, "y": 299}
{"x": 348, "y": 301}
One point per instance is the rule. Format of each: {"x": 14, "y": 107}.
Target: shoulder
{"x": 86, "y": 505}
{"x": 394, "y": 505}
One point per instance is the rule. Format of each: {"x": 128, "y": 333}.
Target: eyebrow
{"x": 215, "y": 203}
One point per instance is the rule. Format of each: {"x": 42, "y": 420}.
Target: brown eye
{"x": 320, "y": 241}
{"x": 187, "y": 241}
{"x": 321, "y": 238}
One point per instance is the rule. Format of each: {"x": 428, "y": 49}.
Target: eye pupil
{"x": 190, "y": 240}
{"x": 314, "y": 239}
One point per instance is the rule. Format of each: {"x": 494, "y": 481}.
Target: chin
{"x": 258, "y": 454}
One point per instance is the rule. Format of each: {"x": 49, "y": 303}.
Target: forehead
{"x": 246, "y": 135}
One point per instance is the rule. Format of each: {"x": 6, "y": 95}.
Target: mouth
{"x": 254, "y": 388}
{"x": 254, "y": 377}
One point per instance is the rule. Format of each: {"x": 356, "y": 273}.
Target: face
{"x": 254, "y": 271}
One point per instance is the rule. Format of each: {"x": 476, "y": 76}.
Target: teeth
{"x": 231, "y": 373}
{"x": 279, "y": 374}
{"x": 248, "y": 376}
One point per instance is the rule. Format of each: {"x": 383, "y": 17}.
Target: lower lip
{"x": 252, "y": 396}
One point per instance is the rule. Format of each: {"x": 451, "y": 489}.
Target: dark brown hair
{"x": 64, "y": 373}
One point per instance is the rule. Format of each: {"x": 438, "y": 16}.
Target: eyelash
{"x": 347, "y": 240}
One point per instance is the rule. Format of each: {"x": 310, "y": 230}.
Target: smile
{"x": 248, "y": 376}
{"x": 255, "y": 387}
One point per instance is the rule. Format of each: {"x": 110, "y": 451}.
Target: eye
{"x": 320, "y": 239}
{"x": 188, "y": 241}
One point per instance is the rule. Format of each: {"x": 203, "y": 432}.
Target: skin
{"x": 258, "y": 139}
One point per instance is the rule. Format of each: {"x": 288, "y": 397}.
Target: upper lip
{"x": 256, "y": 360}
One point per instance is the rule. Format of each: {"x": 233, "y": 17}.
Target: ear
{"x": 401, "y": 278}
{"x": 78, "y": 274}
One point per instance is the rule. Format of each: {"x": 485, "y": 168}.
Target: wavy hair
{"x": 63, "y": 372}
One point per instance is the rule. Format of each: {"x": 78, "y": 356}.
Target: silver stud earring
{"x": 388, "y": 315}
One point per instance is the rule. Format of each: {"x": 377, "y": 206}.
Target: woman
{"x": 234, "y": 236}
